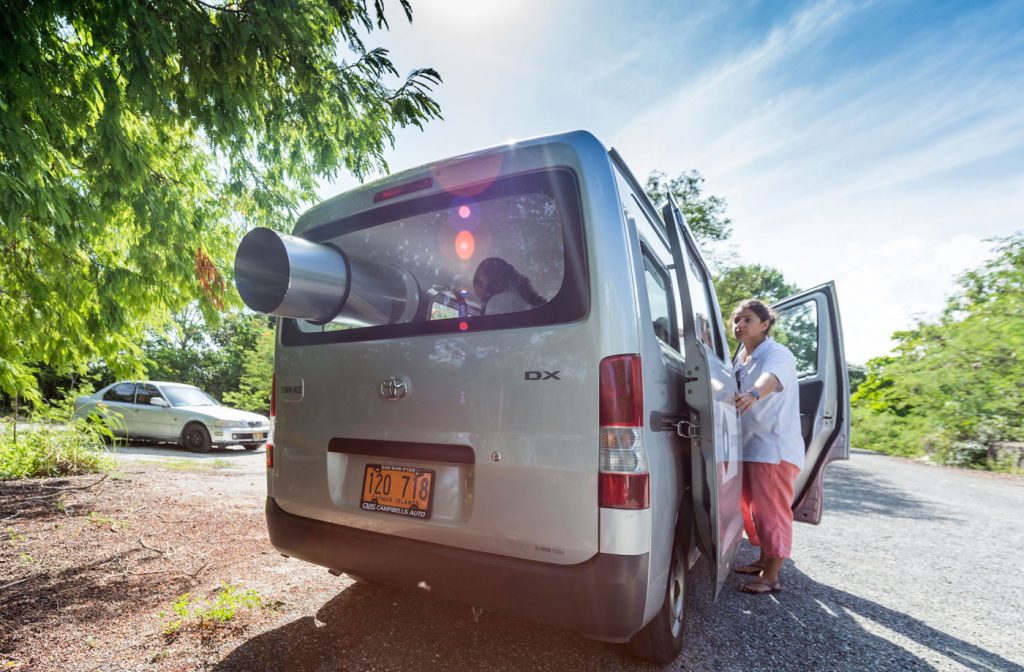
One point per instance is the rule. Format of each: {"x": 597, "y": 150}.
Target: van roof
{"x": 361, "y": 198}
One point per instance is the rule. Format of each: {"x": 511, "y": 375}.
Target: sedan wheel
{"x": 196, "y": 438}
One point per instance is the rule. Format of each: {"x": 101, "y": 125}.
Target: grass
{"x": 187, "y": 464}
{"x": 189, "y": 610}
{"x": 100, "y": 520}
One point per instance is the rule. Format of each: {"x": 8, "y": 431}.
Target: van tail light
{"x": 273, "y": 414}
{"x": 624, "y": 479}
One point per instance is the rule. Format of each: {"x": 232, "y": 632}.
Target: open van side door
{"x": 712, "y": 428}
{"x": 808, "y": 324}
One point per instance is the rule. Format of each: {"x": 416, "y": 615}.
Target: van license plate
{"x": 403, "y": 491}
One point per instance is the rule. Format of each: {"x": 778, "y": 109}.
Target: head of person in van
{"x": 503, "y": 289}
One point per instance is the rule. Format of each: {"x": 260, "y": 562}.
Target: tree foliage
{"x": 254, "y": 385}
{"x": 705, "y": 215}
{"x": 210, "y": 354}
{"x": 138, "y": 139}
{"x": 955, "y": 385}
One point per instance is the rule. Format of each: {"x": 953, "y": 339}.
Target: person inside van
{"x": 503, "y": 289}
{"x": 769, "y": 401}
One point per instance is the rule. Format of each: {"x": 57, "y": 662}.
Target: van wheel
{"x": 196, "y": 438}
{"x": 661, "y": 640}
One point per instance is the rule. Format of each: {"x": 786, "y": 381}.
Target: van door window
{"x": 659, "y": 295}
{"x": 662, "y": 295}
{"x": 505, "y": 254}
{"x": 703, "y": 315}
{"x": 797, "y": 329}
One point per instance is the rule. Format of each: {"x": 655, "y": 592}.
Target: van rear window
{"x": 503, "y": 254}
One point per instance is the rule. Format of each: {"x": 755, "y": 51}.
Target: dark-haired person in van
{"x": 769, "y": 402}
{"x": 503, "y": 289}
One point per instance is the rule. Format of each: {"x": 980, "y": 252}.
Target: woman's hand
{"x": 744, "y": 401}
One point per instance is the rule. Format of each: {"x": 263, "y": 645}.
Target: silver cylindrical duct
{"x": 293, "y": 277}
{"x": 290, "y": 277}
{"x": 381, "y": 294}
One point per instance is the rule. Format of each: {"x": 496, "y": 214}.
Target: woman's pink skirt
{"x": 767, "y": 506}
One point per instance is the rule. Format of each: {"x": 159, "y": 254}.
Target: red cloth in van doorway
{"x": 766, "y": 503}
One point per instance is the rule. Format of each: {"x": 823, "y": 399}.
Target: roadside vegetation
{"x": 49, "y": 445}
{"x": 953, "y": 388}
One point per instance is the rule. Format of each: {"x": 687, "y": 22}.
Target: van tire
{"x": 661, "y": 640}
{"x": 196, "y": 438}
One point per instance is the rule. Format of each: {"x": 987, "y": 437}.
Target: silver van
{"x": 504, "y": 376}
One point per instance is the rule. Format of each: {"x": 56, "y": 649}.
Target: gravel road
{"x": 911, "y": 569}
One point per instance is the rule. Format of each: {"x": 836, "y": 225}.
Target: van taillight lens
{"x": 273, "y": 413}
{"x": 624, "y": 481}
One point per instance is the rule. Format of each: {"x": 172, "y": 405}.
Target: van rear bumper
{"x": 602, "y": 598}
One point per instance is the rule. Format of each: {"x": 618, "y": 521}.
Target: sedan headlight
{"x": 228, "y": 423}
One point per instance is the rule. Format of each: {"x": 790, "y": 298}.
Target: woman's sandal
{"x": 761, "y": 587}
{"x": 752, "y": 568}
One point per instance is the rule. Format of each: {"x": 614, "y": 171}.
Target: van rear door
{"x": 712, "y": 428}
{"x": 809, "y": 326}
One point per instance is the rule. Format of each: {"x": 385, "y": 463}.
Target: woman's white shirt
{"x": 506, "y": 302}
{"x": 771, "y": 427}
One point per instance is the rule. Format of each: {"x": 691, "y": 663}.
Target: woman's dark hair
{"x": 763, "y": 312}
{"x": 496, "y": 275}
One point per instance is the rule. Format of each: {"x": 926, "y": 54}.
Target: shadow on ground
{"x": 812, "y": 626}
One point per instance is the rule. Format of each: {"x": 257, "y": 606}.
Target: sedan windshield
{"x": 189, "y": 396}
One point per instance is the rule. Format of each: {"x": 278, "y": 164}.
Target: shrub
{"x": 46, "y": 449}
{"x": 907, "y": 436}
{"x": 189, "y": 609}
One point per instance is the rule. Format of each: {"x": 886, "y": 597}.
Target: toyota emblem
{"x": 393, "y": 388}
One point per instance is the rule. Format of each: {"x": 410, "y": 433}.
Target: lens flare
{"x": 464, "y": 245}
{"x": 463, "y": 214}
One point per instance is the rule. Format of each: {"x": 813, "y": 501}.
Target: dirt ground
{"x": 90, "y": 568}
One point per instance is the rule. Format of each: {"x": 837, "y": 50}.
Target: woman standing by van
{"x": 769, "y": 401}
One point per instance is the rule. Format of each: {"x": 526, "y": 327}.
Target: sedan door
{"x": 712, "y": 431}
{"x": 810, "y": 327}
{"x": 153, "y": 420}
{"x": 118, "y": 402}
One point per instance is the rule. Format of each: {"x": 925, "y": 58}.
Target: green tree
{"x": 751, "y": 281}
{"x": 735, "y": 284}
{"x": 257, "y": 376}
{"x": 954, "y": 386}
{"x": 705, "y": 215}
{"x": 139, "y": 139}
{"x": 208, "y": 353}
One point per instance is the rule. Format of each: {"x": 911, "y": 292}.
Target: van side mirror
{"x": 159, "y": 401}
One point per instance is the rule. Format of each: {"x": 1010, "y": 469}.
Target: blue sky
{"x": 874, "y": 143}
